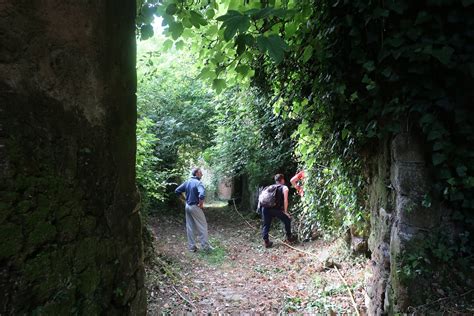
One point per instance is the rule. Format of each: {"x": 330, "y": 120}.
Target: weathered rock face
{"x": 69, "y": 227}
{"x": 399, "y": 222}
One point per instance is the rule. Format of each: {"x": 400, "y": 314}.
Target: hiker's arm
{"x": 180, "y": 190}
{"x": 202, "y": 195}
{"x": 294, "y": 182}
{"x": 285, "y": 201}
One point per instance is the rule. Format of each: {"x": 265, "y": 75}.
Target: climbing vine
{"x": 352, "y": 73}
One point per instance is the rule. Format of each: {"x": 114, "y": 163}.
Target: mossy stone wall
{"x": 69, "y": 224}
{"x": 401, "y": 225}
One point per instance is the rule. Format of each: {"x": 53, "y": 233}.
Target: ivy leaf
{"x": 197, "y": 19}
{"x": 434, "y": 134}
{"x": 344, "y": 134}
{"x": 167, "y": 45}
{"x": 233, "y": 21}
{"x": 426, "y": 201}
{"x": 240, "y": 44}
{"x": 210, "y": 13}
{"x": 461, "y": 171}
{"x": 427, "y": 118}
{"x": 445, "y": 173}
{"x": 207, "y": 73}
{"x": 308, "y": 52}
{"x": 171, "y": 9}
{"x": 179, "y": 45}
{"x": 218, "y": 85}
{"x": 397, "y": 6}
{"x": 443, "y": 55}
{"x": 146, "y": 32}
{"x": 387, "y": 72}
{"x": 290, "y": 29}
{"x": 439, "y": 146}
{"x": 438, "y": 158}
{"x": 379, "y": 12}
{"x": 242, "y": 69}
{"x": 274, "y": 45}
{"x": 369, "y": 66}
{"x": 176, "y": 29}
{"x": 260, "y": 14}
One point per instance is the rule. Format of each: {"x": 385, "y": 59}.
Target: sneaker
{"x": 268, "y": 243}
{"x": 208, "y": 249}
{"x": 193, "y": 249}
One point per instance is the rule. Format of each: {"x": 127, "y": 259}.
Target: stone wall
{"x": 69, "y": 222}
{"x": 224, "y": 189}
{"x": 400, "y": 222}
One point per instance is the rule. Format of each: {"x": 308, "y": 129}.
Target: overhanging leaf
{"x": 274, "y": 45}
{"x": 233, "y": 23}
{"x": 438, "y": 159}
{"x": 218, "y": 85}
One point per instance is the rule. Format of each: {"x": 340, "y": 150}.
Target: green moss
{"x": 37, "y": 215}
{"x": 43, "y": 201}
{"x": 62, "y": 211}
{"x": 88, "y": 224}
{"x": 25, "y": 206}
{"x": 88, "y": 281}
{"x": 90, "y": 308}
{"x": 9, "y": 197}
{"x": 42, "y": 233}
{"x": 5, "y": 211}
{"x": 106, "y": 251}
{"x": 68, "y": 228}
{"x": 36, "y": 268}
{"x": 85, "y": 254}
{"x": 11, "y": 240}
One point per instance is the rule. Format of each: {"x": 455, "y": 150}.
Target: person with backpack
{"x": 273, "y": 201}
{"x": 195, "y": 219}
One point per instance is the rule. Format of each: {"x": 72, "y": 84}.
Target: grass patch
{"x": 216, "y": 256}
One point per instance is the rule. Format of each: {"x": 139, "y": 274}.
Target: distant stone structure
{"x": 224, "y": 189}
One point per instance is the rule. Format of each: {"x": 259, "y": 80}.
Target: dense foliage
{"x": 351, "y": 72}
{"x": 250, "y": 140}
{"x": 183, "y": 123}
{"x": 175, "y": 122}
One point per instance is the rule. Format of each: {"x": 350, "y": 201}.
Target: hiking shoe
{"x": 292, "y": 239}
{"x": 193, "y": 249}
{"x": 268, "y": 243}
{"x": 208, "y": 249}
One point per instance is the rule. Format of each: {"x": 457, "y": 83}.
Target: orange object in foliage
{"x": 296, "y": 182}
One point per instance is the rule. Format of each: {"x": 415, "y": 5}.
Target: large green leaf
{"x": 218, "y": 85}
{"x": 197, "y": 19}
{"x": 274, "y": 45}
{"x": 443, "y": 55}
{"x": 176, "y": 29}
{"x": 234, "y": 21}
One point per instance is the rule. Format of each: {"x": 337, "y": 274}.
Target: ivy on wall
{"x": 349, "y": 72}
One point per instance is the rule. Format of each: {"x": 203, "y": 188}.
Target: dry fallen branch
{"x": 348, "y": 291}
{"x": 184, "y": 298}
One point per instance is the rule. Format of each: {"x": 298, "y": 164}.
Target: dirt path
{"x": 242, "y": 277}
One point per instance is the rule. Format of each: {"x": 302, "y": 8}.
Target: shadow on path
{"x": 241, "y": 276}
